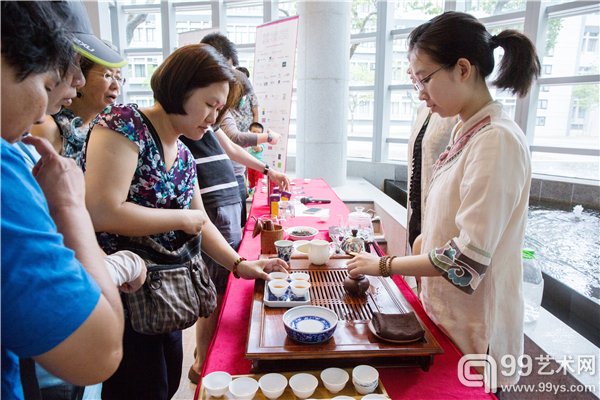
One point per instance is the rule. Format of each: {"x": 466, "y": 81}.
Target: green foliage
{"x": 554, "y": 27}
{"x": 586, "y": 95}
{"x": 495, "y": 7}
{"x": 360, "y": 74}
{"x": 360, "y": 18}
{"x": 427, "y": 7}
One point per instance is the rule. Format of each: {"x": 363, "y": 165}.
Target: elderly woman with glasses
{"x": 68, "y": 129}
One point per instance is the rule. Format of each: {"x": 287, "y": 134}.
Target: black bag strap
{"x": 147, "y": 248}
{"x": 153, "y": 133}
{"x": 31, "y": 388}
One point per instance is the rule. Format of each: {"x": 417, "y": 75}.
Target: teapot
{"x": 361, "y": 221}
{"x": 356, "y": 286}
{"x": 353, "y": 244}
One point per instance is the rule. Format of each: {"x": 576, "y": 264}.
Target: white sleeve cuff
{"x": 123, "y": 266}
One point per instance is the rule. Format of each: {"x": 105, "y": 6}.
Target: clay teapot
{"x": 356, "y": 286}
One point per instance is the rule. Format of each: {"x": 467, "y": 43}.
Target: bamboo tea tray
{"x": 270, "y": 349}
{"x": 320, "y": 392}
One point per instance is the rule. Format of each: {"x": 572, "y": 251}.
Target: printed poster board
{"x": 274, "y": 61}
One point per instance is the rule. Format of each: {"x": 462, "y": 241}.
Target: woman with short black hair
{"x": 141, "y": 181}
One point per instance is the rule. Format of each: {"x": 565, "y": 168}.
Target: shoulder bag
{"x": 178, "y": 289}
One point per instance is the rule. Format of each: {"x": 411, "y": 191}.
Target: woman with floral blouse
{"x": 141, "y": 181}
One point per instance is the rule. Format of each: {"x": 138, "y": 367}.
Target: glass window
{"x": 590, "y": 39}
{"x": 141, "y": 69}
{"x": 540, "y": 121}
{"x": 403, "y": 109}
{"x": 242, "y": 20}
{"x": 287, "y": 8}
{"x": 398, "y": 152}
{"x": 573, "y": 41}
{"x": 142, "y": 101}
{"x": 572, "y": 117}
{"x": 190, "y": 19}
{"x": 131, "y": 2}
{"x": 364, "y": 16}
{"x": 246, "y": 58}
{"x": 409, "y": 14}
{"x": 566, "y": 165}
{"x": 486, "y": 8}
{"x": 360, "y": 113}
{"x": 400, "y": 61}
{"x": 362, "y": 63}
{"x": 144, "y": 30}
{"x": 359, "y": 149}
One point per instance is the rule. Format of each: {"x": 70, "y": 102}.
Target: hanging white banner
{"x": 273, "y": 81}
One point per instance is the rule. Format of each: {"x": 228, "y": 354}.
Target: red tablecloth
{"x": 226, "y": 352}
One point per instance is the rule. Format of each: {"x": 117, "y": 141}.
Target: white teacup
{"x": 299, "y": 276}
{"x": 365, "y": 379}
{"x": 216, "y": 383}
{"x": 272, "y": 385}
{"x": 243, "y": 388}
{"x": 278, "y": 275}
{"x": 278, "y": 287}
{"x": 303, "y": 385}
{"x": 318, "y": 252}
{"x": 334, "y": 379}
{"x": 300, "y": 287}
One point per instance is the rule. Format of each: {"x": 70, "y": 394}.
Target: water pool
{"x": 567, "y": 246}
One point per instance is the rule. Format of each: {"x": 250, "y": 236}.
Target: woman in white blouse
{"x": 476, "y": 211}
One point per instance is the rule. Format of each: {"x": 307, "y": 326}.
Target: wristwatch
{"x": 266, "y": 169}
{"x": 269, "y": 137}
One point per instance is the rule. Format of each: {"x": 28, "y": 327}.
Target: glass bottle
{"x": 533, "y": 286}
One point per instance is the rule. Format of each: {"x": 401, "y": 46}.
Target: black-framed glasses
{"x": 420, "y": 84}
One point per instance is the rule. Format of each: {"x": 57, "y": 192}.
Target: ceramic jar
{"x": 357, "y": 286}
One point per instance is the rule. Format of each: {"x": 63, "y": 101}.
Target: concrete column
{"x": 323, "y": 78}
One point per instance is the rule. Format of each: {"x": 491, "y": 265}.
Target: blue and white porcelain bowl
{"x": 310, "y": 324}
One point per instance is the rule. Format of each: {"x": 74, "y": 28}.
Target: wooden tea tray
{"x": 321, "y": 391}
{"x": 270, "y": 349}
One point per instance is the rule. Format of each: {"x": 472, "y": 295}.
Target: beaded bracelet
{"x": 235, "y": 267}
{"x": 389, "y": 265}
{"x": 383, "y": 266}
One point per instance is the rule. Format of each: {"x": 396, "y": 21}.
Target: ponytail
{"x": 454, "y": 35}
{"x": 520, "y": 63}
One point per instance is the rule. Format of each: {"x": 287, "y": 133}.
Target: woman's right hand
{"x": 194, "y": 221}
